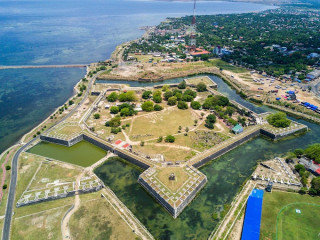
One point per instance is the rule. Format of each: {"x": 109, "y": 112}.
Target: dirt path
{"x": 169, "y": 145}
{"x": 65, "y": 222}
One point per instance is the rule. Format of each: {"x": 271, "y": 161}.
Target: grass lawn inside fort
{"x": 290, "y": 216}
{"x": 161, "y": 124}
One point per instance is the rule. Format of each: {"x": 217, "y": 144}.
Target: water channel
{"x": 225, "y": 176}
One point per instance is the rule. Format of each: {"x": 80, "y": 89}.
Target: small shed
{"x": 237, "y": 129}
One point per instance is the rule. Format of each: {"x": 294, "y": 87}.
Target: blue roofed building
{"x": 237, "y": 129}
{"x": 252, "y": 219}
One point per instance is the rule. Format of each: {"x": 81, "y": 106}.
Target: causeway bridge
{"x": 44, "y": 66}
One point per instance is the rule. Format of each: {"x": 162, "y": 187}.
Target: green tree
{"x": 313, "y": 152}
{"x": 96, "y": 116}
{"x": 195, "y": 105}
{"x": 112, "y": 97}
{"x": 147, "y": 106}
{"x": 8, "y": 167}
{"x": 278, "y": 120}
{"x": 157, "y": 96}
{"x": 146, "y": 94}
{"x": 172, "y": 101}
{"x": 187, "y": 98}
{"x": 170, "y": 139}
{"x": 182, "y": 85}
{"x": 125, "y": 112}
{"x": 182, "y": 105}
{"x": 298, "y": 152}
{"x": 315, "y": 185}
{"x": 114, "y": 122}
{"x": 114, "y": 110}
{"x": 190, "y": 93}
{"x": 201, "y": 87}
{"x": 157, "y": 107}
{"x": 167, "y": 95}
{"x": 210, "y": 121}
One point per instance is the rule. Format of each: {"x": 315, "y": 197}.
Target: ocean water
{"x": 35, "y": 32}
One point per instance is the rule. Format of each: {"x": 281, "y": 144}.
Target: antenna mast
{"x": 193, "y": 28}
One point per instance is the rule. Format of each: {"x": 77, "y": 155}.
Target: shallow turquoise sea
{"x": 35, "y": 32}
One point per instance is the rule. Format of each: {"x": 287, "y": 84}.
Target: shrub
{"x": 201, "y": 87}
{"x": 4, "y": 186}
{"x": 167, "y": 95}
{"x": 115, "y": 130}
{"x": 182, "y": 85}
{"x": 114, "y": 110}
{"x": 313, "y": 152}
{"x": 8, "y": 167}
{"x": 125, "y": 112}
{"x": 96, "y": 116}
{"x": 182, "y": 105}
{"x": 147, "y": 106}
{"x": 157, "y": 96}
{"x": 114, "y": 122}
{"x": 172, "y": 101}
{"x": 129, "y": 96}
{"x": 210, "y": 121}
{"x": 142, "y": 143}
{"x": 190, "y": 93}
{"x": 160, "y": 139}
{"x": 157, "y": 107}
{"x": 146, "y": 94}
{"x": 278, "y": 120}
{"x": 112, "y": 97}
{"x": 187, "y": 98}
{"x": 195, "y": 105}
{"x": 170, "y": 139}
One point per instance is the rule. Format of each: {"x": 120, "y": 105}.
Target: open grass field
{"x": 145, "y": 58}
{"x": 96, "y": 219}
{"x": 181, "y": 176}
{"x": 161, "y": 123}
{"x": 202, "y": 79}
{"x": 298, "y": 221}
{"x": 224, "y": 65}
{"x": 170, "y": 153}
{"x": 42, "y": 225}
{"x": 290, "y": 224}
{"x": 53, "y": 171}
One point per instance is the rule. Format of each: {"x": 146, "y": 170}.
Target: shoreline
{"x": 113, "y": 55}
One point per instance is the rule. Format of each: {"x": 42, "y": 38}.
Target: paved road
{"x": 14, "y": 170}
{"x": 45, "y": 66}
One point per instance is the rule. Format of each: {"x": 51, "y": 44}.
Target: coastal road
{"x": 14, "y": 169}
{"x": 45, "y": 66}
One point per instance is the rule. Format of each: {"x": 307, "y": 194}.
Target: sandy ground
{"x": 247, "y": 80}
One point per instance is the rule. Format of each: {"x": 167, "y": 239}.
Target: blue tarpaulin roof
{"x": 252, "y": 219}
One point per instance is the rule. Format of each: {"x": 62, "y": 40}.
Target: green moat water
{"x": 225, "y": 176}
{"x": 83, "y": 153}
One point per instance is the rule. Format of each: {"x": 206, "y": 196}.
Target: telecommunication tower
{"x": 193, "y": 41}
